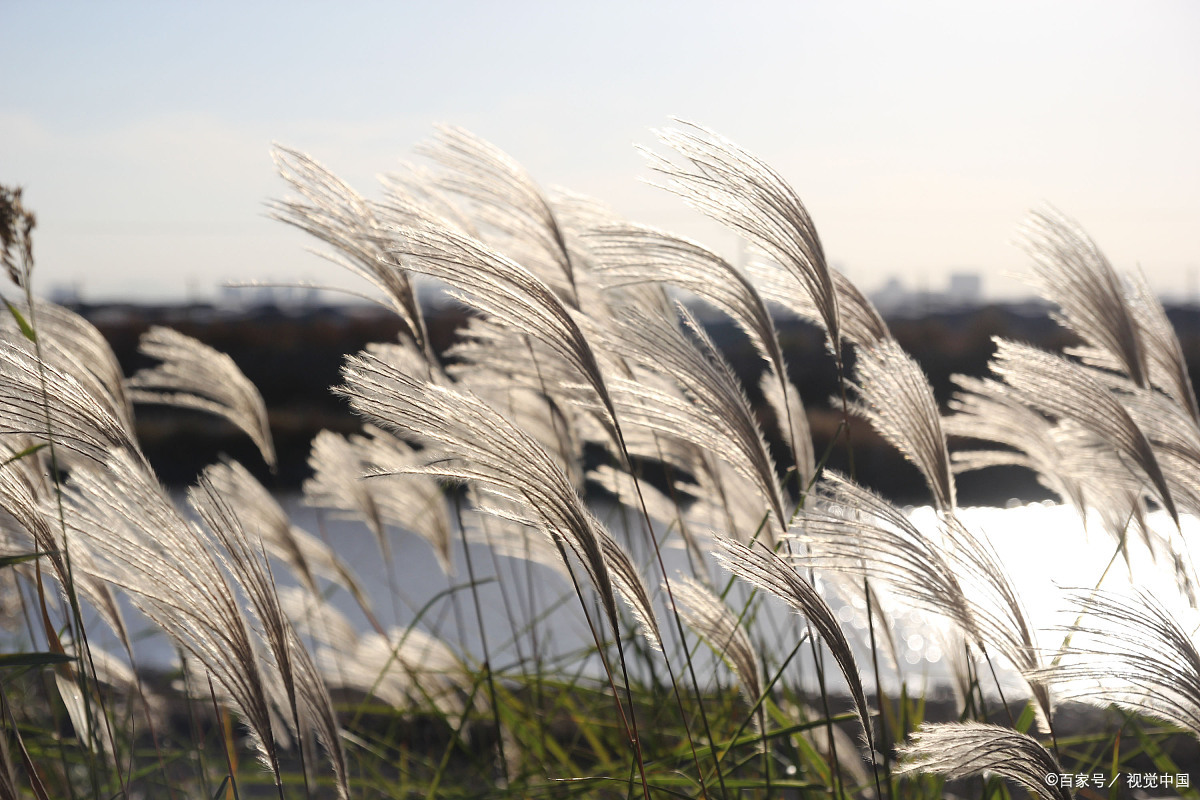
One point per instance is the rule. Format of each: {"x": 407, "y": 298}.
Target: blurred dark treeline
{"x": 294, "y": 357}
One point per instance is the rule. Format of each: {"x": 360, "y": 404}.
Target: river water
{"x": 1044, "y": 548}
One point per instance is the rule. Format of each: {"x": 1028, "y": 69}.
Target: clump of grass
{"x": 579, "y": 369}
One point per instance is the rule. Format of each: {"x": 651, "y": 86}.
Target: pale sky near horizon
{"x": 918, "y": 134}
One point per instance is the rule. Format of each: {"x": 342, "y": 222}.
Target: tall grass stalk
{"x": 580, "y": 368}
{"x": 18, "y": 225}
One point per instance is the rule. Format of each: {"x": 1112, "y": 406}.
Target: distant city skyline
{"x": 917, "y": 134}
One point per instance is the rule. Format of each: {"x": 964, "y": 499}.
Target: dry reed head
{"x": 16, "y": 235}
{"x": 144, "y": 546}
{"x": 962, "y": 749}
{"x": 504, "y": 198}
{"x": 708, "y": 406}
{"x": 330, "y": 210}
{"x": 1131, "y": 651}
{"x": 895, "y": 396}
{"x": 87, "y": 421}
{"x": 763, "y": 568}
{"x": 475, "y": 443}
{"x": 725, "y": 633}
{"x": 1060, "y": 388}
{"x": 954, "y": 573}
{"x": 194, "y": 375}
{"x": 1070, "y": 271}
{"x": 741, "y": 191}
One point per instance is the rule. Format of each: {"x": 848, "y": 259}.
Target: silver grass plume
{"x": 402, "y": 668}
{"x": 895, "y": 396}
{"x": 529, "y": 384}
{"x": 495, "y": 359}
{"x": 739, "y": 190}
{"x": 792, "y": 421}
{"x": 34, "y": 513}
{"x": 962, "y": 749}
{"x": 852, "y": 529}
{"x": 506, "y": 198}
{"x": 194, "y": 375}
{"x": 1060, "y": 388}
{"x": 502, "y": 533}
{"x": 579, "y": 215}
{"x": 403, "y": 354}
{"x": 348, "y": 477}
{"x": 196, "y": 682}
{"x": 31, "y": 508}
{"x": 712, "y": 412}
{"x": 337, "y": 483}
{"x": 1168, "y": 367}
{"x": 1176, "y": 442}
{"x": 724, "y": 501}
{"x": 984, "y": 409}
{"x": 405, "y": 500}
{"x": 622, "y": 573}
{"x": 307, "y": 698}
{"x": 259, "y": 512}
{"x": 860, "y": 322}
{"x": 659, "y": 506}
{"x": 620, "y": 484}
{"x": 475, "y": 443}
{"x": 330, "y": 210}
{"x": 1165, "y": 361}
{"x": 1134, "y": 652}
{"x": 85, "y": 422}
{"x": 541, "y": 392}
{"x": 762, "y": 567}
{"x": 854, "y": 771}
{"x": 725, "y": 633}
{"x": 147, "y": 548}
{"x": 75, "y": 346}
{"x": 316, "y": 619}
{"x": 1069, "y": 460}
{"x": 411, "y": 194}
{"x": 632, "y": 255}
{"x": 1070, "y": 271}
{"x": 956, "y": 652}
{"x": 507, "y": 293}
{"x": 645, "y": 442}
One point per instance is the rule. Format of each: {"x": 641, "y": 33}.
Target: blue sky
{"x": 918, "y": 134}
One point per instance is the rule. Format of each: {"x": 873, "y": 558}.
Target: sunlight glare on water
{"x": 1043, "y": 547}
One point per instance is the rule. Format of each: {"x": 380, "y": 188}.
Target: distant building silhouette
{"x": 293, "y": 298}
{"x": 963, "y": 290}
